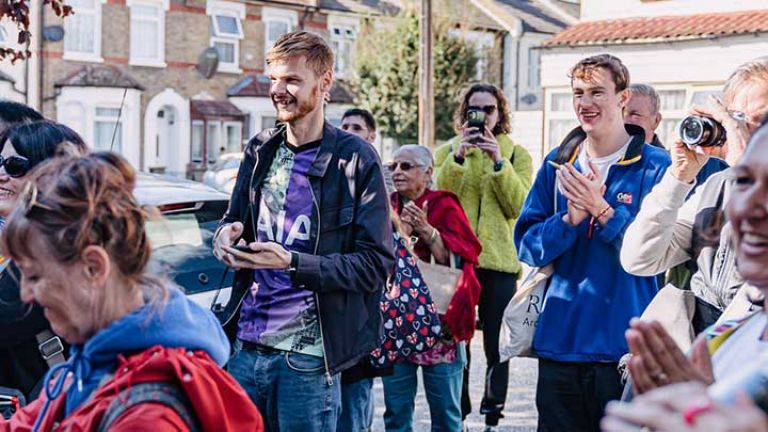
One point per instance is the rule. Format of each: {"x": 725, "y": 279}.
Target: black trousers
{"x": 572, "y": 396}
{"x": 497, "y": 290}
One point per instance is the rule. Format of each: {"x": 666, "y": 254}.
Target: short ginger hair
{"x": 303, "y": 43}
{"x": 584, "y": 69}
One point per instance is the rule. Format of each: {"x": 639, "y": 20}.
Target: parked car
{"x": 222, "y": 174}
{"x": 182, "y": 240}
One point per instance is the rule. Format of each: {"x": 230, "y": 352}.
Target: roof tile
{"x": 662, "y": 28}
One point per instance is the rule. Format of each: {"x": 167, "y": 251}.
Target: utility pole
{"x": 426, "y": 77}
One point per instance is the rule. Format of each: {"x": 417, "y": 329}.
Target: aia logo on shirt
{"x": 624, "y": 197}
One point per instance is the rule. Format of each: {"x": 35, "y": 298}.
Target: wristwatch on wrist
{"x": 498, "y": 165}
{"x": 294, "y": 263}
{"x": 458, "y": 159}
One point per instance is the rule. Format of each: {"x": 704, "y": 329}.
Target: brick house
{"x": 142, "y": 55}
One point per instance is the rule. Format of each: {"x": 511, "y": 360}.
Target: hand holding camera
{"x": 716, "y": 132}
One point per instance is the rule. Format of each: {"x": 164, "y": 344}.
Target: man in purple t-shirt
{"x": 309, "y": 216}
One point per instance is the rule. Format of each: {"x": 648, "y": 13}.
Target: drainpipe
{"x": 41, "y": 60}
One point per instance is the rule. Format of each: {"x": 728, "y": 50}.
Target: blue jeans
{"x": 442, "y": 383}
{"x": 356, "y": 406}
{"x": 291, "y": 390}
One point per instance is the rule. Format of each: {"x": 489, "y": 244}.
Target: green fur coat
{"x": 491, "y": 199}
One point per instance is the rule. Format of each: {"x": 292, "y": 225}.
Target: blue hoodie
{"x": 179, "y": 323}
{"x": 590, "y": 298}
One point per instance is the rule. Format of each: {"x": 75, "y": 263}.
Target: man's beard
{"x": 304, "y": 107}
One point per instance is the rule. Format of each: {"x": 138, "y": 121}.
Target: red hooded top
{"x": 218, "y": 402}
{"x": 444, "y": 212}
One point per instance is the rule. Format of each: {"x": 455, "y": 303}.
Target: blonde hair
{"x": 751, "y": 71}
{"x": 302, "y": 43}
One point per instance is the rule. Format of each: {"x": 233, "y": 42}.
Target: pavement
{"x": 519, "y": 412}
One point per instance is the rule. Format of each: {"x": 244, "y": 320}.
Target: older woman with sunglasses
{"x": 435, "y": 221}
{"x": 27, "y": 345}
{"x": 491, "y": 175}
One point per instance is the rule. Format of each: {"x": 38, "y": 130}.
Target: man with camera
{"x": 582, "y": 200}
{"x": 669, "y": 229}
{"x": 308, "y": 231}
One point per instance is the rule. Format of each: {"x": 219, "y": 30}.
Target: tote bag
{"x": 522, "y": 314}
{"x": 441, "y": 280}
{"x": 409, "y": 316}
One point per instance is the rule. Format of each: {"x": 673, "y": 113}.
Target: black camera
{"x": 476, "y": 118}
{"x": 702, "y": 131}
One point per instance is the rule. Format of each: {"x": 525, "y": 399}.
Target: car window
{"x": 226, "y": 164}
{"x": 182, "y": 246}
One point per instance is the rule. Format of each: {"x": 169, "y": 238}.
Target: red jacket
{"x": 217, "y": 400}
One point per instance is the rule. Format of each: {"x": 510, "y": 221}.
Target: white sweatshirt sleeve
{"x": 660, "y": 236}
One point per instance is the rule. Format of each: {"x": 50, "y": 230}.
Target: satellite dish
{"x": 208, "y": 62}
{"x": 53, "y": 33}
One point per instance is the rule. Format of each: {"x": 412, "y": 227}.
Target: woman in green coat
{"x": 491, "y": 175}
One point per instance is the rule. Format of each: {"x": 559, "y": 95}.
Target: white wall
{"x": 76, "y": 106}
{"x": 527, "y": 129}
{"x": 610, "y": 9}
{"x": 709, "y": 61}
{"x": 15, "y": 71}
{"x": 7, "y": 92}
{"x": 175, "y": 158}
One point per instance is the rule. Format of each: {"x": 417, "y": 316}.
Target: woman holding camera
{"x": 492, "y": 176}
{"x": 674, "y": 397}
{"x": 143, "y": 356}
{"x": 671, "y": 228}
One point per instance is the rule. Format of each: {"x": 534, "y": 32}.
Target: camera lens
{"x": 691, "y": 130}
{"x": 701, "y": 131}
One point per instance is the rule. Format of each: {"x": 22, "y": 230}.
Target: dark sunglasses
{"x": 405, "y": 166}
{"x": 15, "y": 166}
{"x": 488, "y": 109}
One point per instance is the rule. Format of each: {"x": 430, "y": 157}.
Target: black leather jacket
{"x": 353, "y": 244}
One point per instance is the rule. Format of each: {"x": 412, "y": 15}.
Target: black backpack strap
{"x": 155, "y": 392}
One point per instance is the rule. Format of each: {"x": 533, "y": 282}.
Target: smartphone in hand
{"x": 243, "y": 248}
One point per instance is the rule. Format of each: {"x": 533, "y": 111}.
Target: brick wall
{"x": 186, "y": 36}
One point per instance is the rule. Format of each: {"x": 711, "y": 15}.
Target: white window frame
{"x": 229, "y": 9}
{"x": 567, "y": 114}
{"x": 216, "y": 124}
{"x": 344, "y": 24}
{"x": 678, "y": 114}
{"x": 533, "y": 80}
{"x": 269, "y": 14}
{"x": 162, "y": 7}
{"x": 95, "y": 56}
{"x": 202, "y": 125}
{"x": 110, "y": 119}
{"x": 225, "y": 137}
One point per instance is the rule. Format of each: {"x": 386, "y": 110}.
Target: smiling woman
{"x": 22, "y": 148}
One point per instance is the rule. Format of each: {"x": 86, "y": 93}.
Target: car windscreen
{"x": 182, "y": 246}
{"x": 232, "y": 163}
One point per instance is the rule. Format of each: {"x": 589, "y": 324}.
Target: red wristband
{"x": 693, "y": 411}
